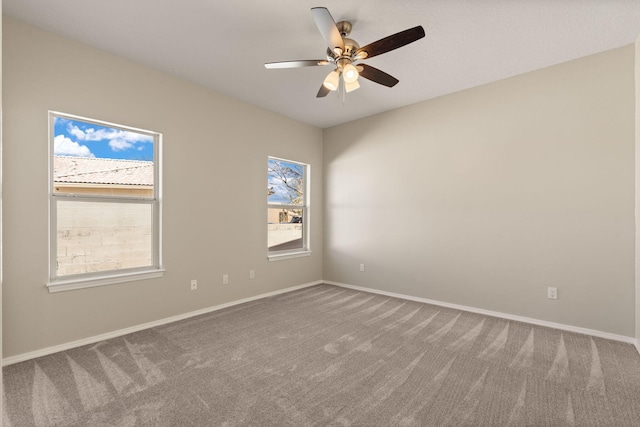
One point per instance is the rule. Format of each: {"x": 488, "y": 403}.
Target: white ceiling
{"x": 223, "y": 44}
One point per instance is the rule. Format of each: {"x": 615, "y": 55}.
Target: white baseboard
{"x": 498, "y": 314}
{"x": 97, "y": 338}
{"x": 637, "y": 344}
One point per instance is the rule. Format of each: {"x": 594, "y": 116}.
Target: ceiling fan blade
{"x": 378, "y": 76}
{"x": 391, "y": 42}
{"x": 296, "y": 64}
{"x": 322, "y": 92}
{"x": 327, "y": 27}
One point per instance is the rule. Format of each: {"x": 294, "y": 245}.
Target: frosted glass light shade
{"x": 351, "y": 86}
{"x": 332, "y": 80}
{"x": 350, "y": 73}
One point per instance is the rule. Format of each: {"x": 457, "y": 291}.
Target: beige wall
{"x": 214, "y": 171}
{"x": 488, "y": 196}
{"x": 105, "y": 189}
{"x": 637, "y": 299}
{"x": 1, "y": 202}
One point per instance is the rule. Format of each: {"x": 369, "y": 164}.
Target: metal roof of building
{"x": 87, "y": 170}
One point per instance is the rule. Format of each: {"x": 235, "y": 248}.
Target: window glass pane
{"x": 101, "y": 236}
{"x": 286, "y": 183}
{"x": 285, "y": 229}
{"x": 100, "y": 160}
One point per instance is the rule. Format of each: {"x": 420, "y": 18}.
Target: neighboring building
{"x": 283, "y": 216}
{"x": 84, "y": 175}
{"x": 122, "y": 238}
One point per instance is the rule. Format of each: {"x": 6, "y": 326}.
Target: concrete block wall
{"x": 92, "y": 236}
{"x": 283, "y": 233}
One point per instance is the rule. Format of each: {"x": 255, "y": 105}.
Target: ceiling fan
{"x": 345, "y": 54}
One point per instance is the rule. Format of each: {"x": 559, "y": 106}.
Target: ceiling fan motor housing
{"x": 347, "y": 56}
{"x": 350, "y": 47}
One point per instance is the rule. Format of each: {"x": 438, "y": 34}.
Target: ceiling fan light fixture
{"x": 332, "y": 80}
{"x": 350, "y": 73}
{"x": 350, "y": 86}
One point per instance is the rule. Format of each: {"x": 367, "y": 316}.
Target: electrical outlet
{"x": 361, "y": 267}
{"x": 194, "y": 285}
{"x": 552, "y": 293}
{"x": 252, "y": 274}
{"x": 225, "y": 279}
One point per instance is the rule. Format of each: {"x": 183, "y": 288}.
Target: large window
{"x": 104, "y": 203}
{"x": 287, "y": 208}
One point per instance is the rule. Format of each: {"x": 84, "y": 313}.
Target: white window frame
{"x": 306, "y": 215}
{"x": 85, "y": 280}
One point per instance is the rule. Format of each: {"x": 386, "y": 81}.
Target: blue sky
{"x": 82, "y": 139}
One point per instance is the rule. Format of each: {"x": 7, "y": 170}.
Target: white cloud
{"x": 119, "y": 144}
{"x": 63, "y": 146}
{"x": 92, "y": 134}
{"x": 77, "y": 132}
{"x": 119, "y": 140}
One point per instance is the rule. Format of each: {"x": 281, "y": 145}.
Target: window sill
{"x": 90, "y": 282}
{"x": 288, "y": 255}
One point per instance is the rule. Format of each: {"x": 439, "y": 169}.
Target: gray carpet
{"x": 331, "y": 356}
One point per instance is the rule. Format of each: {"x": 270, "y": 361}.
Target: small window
{"x": 104, "y": 203}
{"x": 287, "y": 208}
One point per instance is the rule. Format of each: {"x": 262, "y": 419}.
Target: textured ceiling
{"x": 223, "y": 45}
